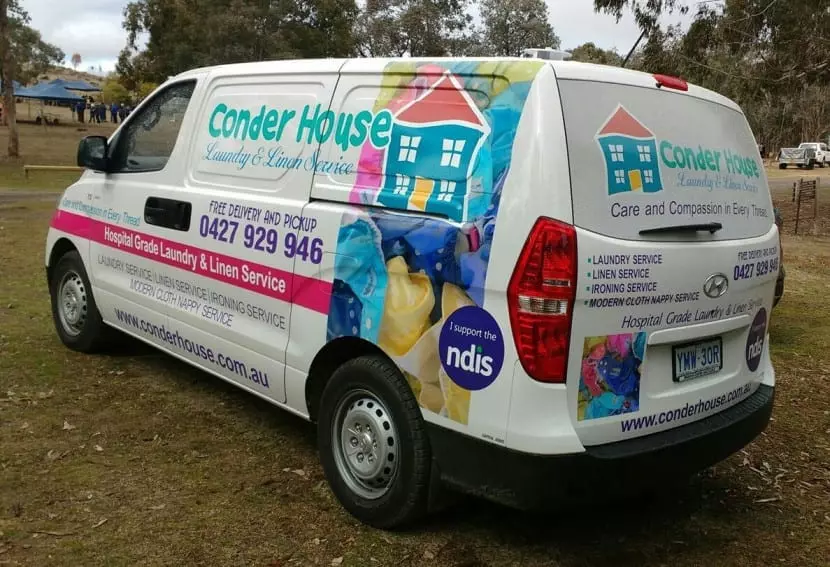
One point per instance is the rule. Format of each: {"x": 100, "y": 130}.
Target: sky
{"x": 93, "y": 27}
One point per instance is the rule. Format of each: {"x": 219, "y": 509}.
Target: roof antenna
{"x": 630, "y": 53}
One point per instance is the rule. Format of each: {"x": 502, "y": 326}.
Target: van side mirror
{"x": 92, "y": 153}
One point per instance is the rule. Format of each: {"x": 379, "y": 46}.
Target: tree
{"x": 31, "y": 56}
{"x": 183, "y": 34}
{"x": 767, "y": 56}
{"x": 7, "y": 79}
{"x": 113, "y": 91}
{"x": 590, "y": 53}
{"x": 513, "y": 25}
{"x": 23, "y": 56}
{"x": 76, "y": 60}
{"x": 145, "y": 89}
{"x": 646, "y": 12}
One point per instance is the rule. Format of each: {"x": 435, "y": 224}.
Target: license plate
{"x": 695, "y": 360}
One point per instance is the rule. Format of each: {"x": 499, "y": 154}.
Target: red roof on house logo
{"x": 444, "y": 101}
{"x": 622, "y": 122}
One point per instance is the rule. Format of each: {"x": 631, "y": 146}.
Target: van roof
{"x": 564, "y": 70}
{"x": 605, "y": 73}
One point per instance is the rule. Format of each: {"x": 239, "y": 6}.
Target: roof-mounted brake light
{"x": 671, "y": 82}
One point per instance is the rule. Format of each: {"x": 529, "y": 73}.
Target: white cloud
{"x": 575, "y": 22}
{"x": 89, "y": 27}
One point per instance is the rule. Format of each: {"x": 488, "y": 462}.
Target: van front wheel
{"x": 74, "y": 312}
{"x": 373, "y": 446}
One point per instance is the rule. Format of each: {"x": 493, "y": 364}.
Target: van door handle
{"x": 168, "y": 213}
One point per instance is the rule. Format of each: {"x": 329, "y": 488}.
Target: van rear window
{"x": 645, "y": 159}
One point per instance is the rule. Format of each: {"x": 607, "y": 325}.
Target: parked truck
{"x": 822, "y": 152}
{"x": 807, "y": 154}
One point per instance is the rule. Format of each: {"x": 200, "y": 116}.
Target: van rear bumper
{"x": 529, "y": 481}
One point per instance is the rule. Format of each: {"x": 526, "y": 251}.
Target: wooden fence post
{"x": 797, "y": 206}
{"x": 815, "y": 206}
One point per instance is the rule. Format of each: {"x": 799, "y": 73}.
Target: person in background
{"x": 114, "y": 112}
{"x": 90, "y": 107}
{"x": 122, "y": 111}
{"x": 79, "y": 109}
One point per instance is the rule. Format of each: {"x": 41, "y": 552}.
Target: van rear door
{"x": 677, "y": 250}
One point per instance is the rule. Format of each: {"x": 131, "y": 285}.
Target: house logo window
{"x": 402, "y": 184}
{"x": 451, "y": 153}
{"x": 446, "y": 189}
{"x": 629, "y": 150}
{"x": 409, "y": 148}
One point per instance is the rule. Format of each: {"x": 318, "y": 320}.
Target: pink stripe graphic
{"x": 311, "y": 293}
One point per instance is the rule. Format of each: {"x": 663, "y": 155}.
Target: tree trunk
{"x": 9, "y": 107}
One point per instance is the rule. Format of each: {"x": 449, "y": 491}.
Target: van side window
{"x": 149, "y": 137}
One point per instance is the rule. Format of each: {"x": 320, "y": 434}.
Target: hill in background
{"x": 68, "y": 74}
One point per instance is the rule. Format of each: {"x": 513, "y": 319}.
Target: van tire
{"x": 404, "y": 498}
{"x": 86, "y": 332}
{"x": 782, "y": 166}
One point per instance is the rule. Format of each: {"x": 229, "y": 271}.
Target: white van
{"x": 520, "y": 278}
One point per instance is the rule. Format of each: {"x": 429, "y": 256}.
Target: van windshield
{"x": 645, "y": 159}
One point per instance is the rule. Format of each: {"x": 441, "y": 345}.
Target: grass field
{"x": 45, "y": 145}
{"x": 136, "y": 459}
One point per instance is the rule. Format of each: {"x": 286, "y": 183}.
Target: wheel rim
{"x": 365, "y": 444}
{"x": 72, "y": 303}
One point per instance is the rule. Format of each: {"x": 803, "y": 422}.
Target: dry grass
{"x": 45, "y": 145}
{"x": 809, "y": 222}
{"x": 134, "y": 458}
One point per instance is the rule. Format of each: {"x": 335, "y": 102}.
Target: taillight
{"x": 671, "y": 82}
{"x": 540, "y": 297}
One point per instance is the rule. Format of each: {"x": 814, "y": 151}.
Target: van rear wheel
{"x": 373, "y": 445}
{"x": 74, "y": 312}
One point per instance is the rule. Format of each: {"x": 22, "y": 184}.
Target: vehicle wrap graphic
{"x": 609, "y": 379}
{"x": 398, "y": 278}
{"x": 259, "y": 278}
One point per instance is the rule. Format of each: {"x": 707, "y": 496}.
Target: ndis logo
{"x": 471, "y": 360}
{"x": 471, "y": 348}
{"x": 755, "y": 340}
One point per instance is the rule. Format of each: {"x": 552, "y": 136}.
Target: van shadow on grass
{"x": 189, "y": 378}
{"x": 694, "y": 516}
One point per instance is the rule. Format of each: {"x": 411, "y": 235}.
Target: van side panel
{"x": 538, "y": 185}
{"x": 408, "y": 203}
{"x": 250, "y": 171}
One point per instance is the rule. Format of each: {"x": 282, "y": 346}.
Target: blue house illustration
{"x": 630, "y": 152}
{"x": 433, "y": 146}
